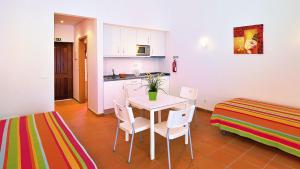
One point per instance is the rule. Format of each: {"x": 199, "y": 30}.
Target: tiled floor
{"x": 212, "y": 150}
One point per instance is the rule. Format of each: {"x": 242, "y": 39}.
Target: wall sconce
{"x": 204, "y": 42}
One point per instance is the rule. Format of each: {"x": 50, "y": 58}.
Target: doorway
{"x": 63, "y": 67}
{"x": 83, "y": 82}
{"x": 82, "y": 32}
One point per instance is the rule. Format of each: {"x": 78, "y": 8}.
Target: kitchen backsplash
{"x": 128, "y": 65}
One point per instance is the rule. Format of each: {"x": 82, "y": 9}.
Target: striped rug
{"x": 40, "y": 141}
{"x": 271, "y": 124}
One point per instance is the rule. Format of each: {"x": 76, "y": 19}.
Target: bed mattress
{"x": 40, "y": 140}
{"x": 271, "y": 124}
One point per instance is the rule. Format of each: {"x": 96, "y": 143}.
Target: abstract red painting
{"x": 248, "y": 39}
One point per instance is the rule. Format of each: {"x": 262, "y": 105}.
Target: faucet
{"x": 113, "y": 71}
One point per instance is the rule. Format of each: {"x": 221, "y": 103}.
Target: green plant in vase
{"x": 154, "y": 85}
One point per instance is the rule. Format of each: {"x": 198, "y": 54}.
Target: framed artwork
{"x": 248, "y": 39}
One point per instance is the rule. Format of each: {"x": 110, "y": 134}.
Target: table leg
{"x": 186, "y": 140}
{"x": 159, "y": 116}
{"x": 126, "y": 136}
{"x": 152, "y": 139}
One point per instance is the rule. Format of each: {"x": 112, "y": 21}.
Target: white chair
{"x": 188, "y": 93}
{"x": 131, "y": 89}
{"x": 129, "y": 124}
{"x": 178, "y": 125}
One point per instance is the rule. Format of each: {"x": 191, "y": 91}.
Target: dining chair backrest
{"x": 132, "y": 89}
{"x": 180, "y": 118}
{"x": 124, "y": 113}
{"x": 191, "y": 112}
{"x": 189, "y": 93}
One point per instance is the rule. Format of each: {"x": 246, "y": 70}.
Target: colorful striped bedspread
{"x": 40, "y": 141}
{"x": 274, "y": 125}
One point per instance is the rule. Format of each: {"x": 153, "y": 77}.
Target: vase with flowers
{"x": 154, "y": 83}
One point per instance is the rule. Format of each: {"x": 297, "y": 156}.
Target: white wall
{"x": 65, "y": 32}
{"x": 27, "y": 52}
{"x": 87, "y": 28}
{"x": 27, "y": 83}
{"x": 216, "y": 71}
{"x": 27, "y": 66}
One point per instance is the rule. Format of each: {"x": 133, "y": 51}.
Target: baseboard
{"x": 94, "y": 112}
{"x": 203, "y": 110}
{"x": 109, "y": 111}
{"x": 76, "y": 100}
{"x": 63, "y": 100}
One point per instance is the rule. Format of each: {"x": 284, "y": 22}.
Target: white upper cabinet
{"x": 112, "y": 40}
{"x": 143, "y": 37}
{"x": 121, "y": 41}
{"x": 158, "y": 43}
{"x": 128, "y": 40}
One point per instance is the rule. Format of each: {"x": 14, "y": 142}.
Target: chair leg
{"x": 126, "y": 136}
{"x": 116, "y": 138}
{"x": 169, "y": 158}
{"x": 142, "y": 113}
{"x": 132, "y": 137}
{"x": 191, "y": 146}
{"x": 195, "y": 116}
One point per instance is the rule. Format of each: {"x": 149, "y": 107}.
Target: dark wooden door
{"x": 63, "y": 67}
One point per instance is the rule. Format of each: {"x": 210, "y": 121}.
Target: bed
{"x": 270, "y": 124}
{"x": 40, "y": 140}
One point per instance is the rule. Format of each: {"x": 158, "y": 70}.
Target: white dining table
{"x": 162, "y": 102}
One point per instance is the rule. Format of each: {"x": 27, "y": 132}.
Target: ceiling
{"x": 67, "y": 19}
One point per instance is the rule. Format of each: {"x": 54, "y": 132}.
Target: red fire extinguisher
{"x": 174, "y": 65}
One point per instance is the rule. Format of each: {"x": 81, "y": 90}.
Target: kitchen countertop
{"x": 108, "y": 78}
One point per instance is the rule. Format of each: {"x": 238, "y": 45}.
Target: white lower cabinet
{"x": 114, "y": 90}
